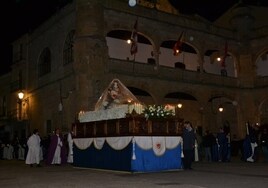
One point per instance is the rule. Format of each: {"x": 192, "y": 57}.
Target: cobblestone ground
{"x": 213, "y": 175}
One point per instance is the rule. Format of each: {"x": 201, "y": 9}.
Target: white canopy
{"x": 114, "y": 95}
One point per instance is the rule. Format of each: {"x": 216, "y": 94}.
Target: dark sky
{"x": 211, "y": 9}
{"x": 21, "y": 16}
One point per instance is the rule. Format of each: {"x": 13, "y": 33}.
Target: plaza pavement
{"x": 15, "y": 174}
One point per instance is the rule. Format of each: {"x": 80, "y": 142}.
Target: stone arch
{"x": 263, "y": 111}
{"x": 121, "y": 49}
{"x": 142, "y": 95}
{"x": 183, "y": 60}
{"x": 235, "y": 62}
{"x": 190, "y": 109}
{"x": 180, "y": 95}
{"x": 261, "y": 62}
{"x": 211, "y": 65}
{"x": 226, "y": 118}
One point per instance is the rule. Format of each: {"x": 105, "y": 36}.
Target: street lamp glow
{"x": 20, "y": 95}
{"x": 220, "y": 108}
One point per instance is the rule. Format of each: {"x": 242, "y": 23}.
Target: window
{"x": 68, "y": 56}
{"x": 3, "y": 106}
{"x": 21, "y": 52}
{"x": 44, "y": 64}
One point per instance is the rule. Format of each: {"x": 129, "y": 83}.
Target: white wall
{"x": 215, "y": 67}
{"x": 120, "y": 49}
{"x": 262, "y": 66}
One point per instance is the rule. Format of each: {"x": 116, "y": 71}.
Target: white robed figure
{"x": 57, "y": 155}
{"x": 21, "y": 153}
{"x": 252, "y": 133}
{"x": 5, "y": 151}
{"x": 10, "y": 152}
{"x": 70, "y": 145}
{"x": 33, "y": 155}
{"x": 196, "y": 156}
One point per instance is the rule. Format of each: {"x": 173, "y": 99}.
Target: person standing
{"x": 198, "y": 146}
{"x": 264, "y": 144}
{"x": 56, "y": 151}
{"x": 252, "y": 140}
{"x": 70, "y": 147}
{"x": 10, "y": 151}
{"x": 21, "y": 153}
{"x": 1, "y": 149}
{"x": 188, "y": 145}
{"x": 33, "y": 154}
{"x": 16, "y": 145}
{"x": 228, "y": 137}
{"x": 223, "y": 145}
{"x": 207, "y": 143}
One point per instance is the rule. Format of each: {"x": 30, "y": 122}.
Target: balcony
{"x": 126, "y": 67}
{"x": 261, "y": 82}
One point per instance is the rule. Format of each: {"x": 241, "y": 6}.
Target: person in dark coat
{"x": 57, "y": 151}
{"x": 208, "y": 140}
{"x": 250, "y": 143}
{"x": 188, "y": 145}
{"x": 214, "y": 148}
{"x": 223, "y": 145}
{"x": 264, "y": 143}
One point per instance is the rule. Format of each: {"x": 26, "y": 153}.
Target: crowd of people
{"x": 14, "y": 149}
{"x": 56, "y": 149}
{"x": 219, "y": 147}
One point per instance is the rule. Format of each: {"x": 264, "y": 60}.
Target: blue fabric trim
{"x": 147, "y": 161}
{"x": 108, "y": 158}
{"x": 247, "y": 148}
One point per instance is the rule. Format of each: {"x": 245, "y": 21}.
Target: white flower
{"x": 105, "y": 103}
{"x": 157, "y": 111}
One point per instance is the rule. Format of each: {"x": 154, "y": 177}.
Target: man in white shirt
{"x": 33, "y": 155}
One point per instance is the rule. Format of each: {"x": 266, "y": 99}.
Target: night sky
{"x": 19, "y": 17}
{"x": 22, "y": 16}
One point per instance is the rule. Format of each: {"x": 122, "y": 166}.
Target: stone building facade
{"x": 64, "y": 65}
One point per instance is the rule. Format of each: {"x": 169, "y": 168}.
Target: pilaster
{"x": 246, "y": 71}
{"x": 91, "y": 52}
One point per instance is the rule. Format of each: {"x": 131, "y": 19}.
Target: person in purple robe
{"x": 57, "y": 150}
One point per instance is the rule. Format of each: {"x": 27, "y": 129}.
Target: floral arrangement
{"x": 157, "y": 112}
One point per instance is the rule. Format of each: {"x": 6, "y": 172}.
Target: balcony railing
{"x": 261, "y": 81}
{"x": 169, "y": 73}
